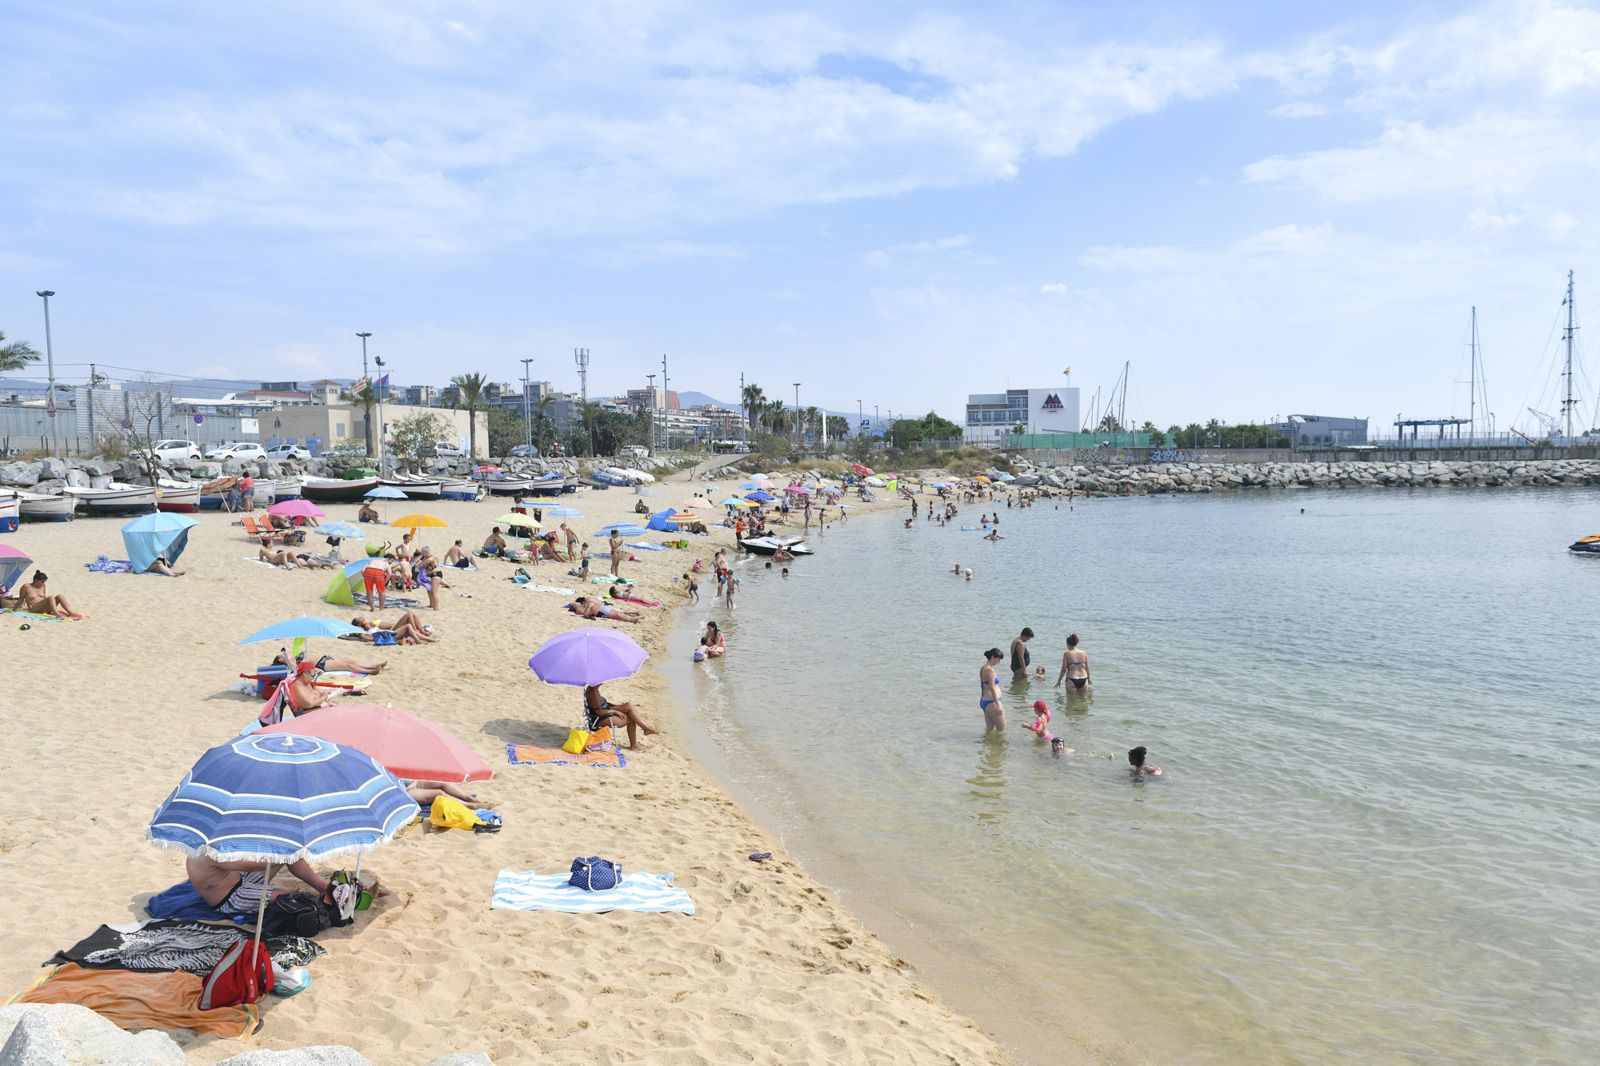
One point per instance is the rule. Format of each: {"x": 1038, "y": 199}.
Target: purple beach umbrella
{"x": 586, "y": 657}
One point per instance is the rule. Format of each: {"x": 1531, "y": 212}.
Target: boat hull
{"x": 118, "y": 501}
{"x": 46, "y": 508}
{"x": 418, "y": 490}
{"x": 459, "y": 490}
{"x": 770, "y": 546}
{"x": 337, "y": 491}
{"x": 1586, "y": 546}
{"x": 509, "y": 487}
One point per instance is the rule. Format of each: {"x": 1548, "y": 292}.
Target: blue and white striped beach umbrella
{"x": 279, "y": 798}
{"x": 563, "y": 512}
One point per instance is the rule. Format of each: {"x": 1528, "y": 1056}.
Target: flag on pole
{"x": 359, "y": 387}
{"x": 1068, "y": 371}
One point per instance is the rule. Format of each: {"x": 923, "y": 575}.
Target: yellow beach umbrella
{"x": 414, "y": 522}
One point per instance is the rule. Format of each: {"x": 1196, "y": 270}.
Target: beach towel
{"x": 160, "y": 946}
{"x": 516, "y": 890}
{"x": 636, "y": 602}
{"x": 29, "y": 616}
{"x": 104, "y": 565}
{"x": 642, "y": 546}
{"x": 550, "y": 588}
{"x": 142, "y": 1000}
{"x": 527, "y": 755}
{"x": 360, "y": 599}
{"x": 182, "y": 900}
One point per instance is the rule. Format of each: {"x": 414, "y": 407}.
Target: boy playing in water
{"x": 1136, "y": 760}
{"x": 691, "y": 588}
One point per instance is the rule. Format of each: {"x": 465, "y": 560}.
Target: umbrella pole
{"x": 261, "y": 911}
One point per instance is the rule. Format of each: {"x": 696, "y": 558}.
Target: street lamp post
{"x": 650, "y": 398}
{"x": 860, "y": 417}
{"x": 874, "y": 418}
{"x": 379, "y": 360}
{"x": 50, "y": 370}
{"x": 797, "y": 414}
{"x": 527, "y": 408}
{"x": 367, "y": 422}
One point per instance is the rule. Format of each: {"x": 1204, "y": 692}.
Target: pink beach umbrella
{"x": 402, "y": 743}
{"x": 798, "y": 490}
{"x": 296, "y": 508}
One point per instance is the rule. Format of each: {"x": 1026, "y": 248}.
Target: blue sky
{"x": 1265, "y": 207}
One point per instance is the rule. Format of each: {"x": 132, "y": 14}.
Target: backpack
{"x": 295, "y": 914}
{"x": 242, "y": 975}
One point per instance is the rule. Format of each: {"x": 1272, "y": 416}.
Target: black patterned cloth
{"x": 173, "y": 944}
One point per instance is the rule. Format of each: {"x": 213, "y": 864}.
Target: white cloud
{"x": 1299, "y": 109}
{"x": 1052, "y": 288}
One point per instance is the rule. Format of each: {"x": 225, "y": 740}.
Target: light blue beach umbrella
{"x": 306, "y": 625}
{"x": 279, "y": 798}
{"x": 160, "y": 534}
{"x": 564, "y": 512}
{"x": 626, "y": 529}
{"x": 731, "y": 501}
{"x": 385, "y": 492}
{"x": 342, "y": 530}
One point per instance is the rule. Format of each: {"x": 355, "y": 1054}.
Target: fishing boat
{"x": 416, "y": 488}
{"x": 115, "y": 498}
{"x": 178, "y": 496}
{"x": 458, "y": 489}
{"x": 509, "y": 486}
{"x": 266, "y": 493}
{"x": 611, "y": 476}
{"x": 770, "y": 545}
{"x": 36, "y": 507}
{"x": 335, "y": 490}
{"x": 285, "y": 488}
{"x": 9, "y": 510}
{"x": 1588, "y": 545}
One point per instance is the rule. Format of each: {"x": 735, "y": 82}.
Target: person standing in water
{"x": 1074, "y": 665}
{"x": 994, "y": 712}
{"x": 1019, "y": 656}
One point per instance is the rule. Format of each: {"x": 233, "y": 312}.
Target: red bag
{"x": 242, "y": 975}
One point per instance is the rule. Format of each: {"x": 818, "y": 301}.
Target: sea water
{"x": 1377, "y": 838}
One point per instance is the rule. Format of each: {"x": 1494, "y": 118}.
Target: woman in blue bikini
{"x": 994, "y": 712}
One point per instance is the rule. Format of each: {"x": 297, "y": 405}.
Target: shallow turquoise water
{"x": 1376, "y": 839}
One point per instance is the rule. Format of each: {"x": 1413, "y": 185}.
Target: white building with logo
{"x": 991, "y": 416}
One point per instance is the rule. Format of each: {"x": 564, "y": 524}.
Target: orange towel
{"x": 142, "y": 1000}
{"x": 522, "y": 754}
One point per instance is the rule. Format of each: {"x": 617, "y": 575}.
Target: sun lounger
{"x": 258, "y": 529}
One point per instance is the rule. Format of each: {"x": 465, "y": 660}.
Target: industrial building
{"x": 1322, "y": 431}
{"x": 991, "y": 416}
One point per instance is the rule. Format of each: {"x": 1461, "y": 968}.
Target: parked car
{"x": 241, "y": 450}
{"x": 445, "y": 450}
{"x": 176, "y": 449}
{"x": 523, "y": 451}
{"x": 288, "y": 451}
{"x": 633, "y": 452}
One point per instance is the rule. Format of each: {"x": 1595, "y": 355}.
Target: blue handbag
{"x": 595, "y": 874}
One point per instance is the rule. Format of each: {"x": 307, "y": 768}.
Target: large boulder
{"x": 205, "y": 471}
{"x": 51, "y": 488}
{"x": 98, "y": 466}
{"x": 20, "y": 475}
{"x": 65, "y": 1034}
{"x": 51, "y": 467}
{"x": 232, "y": 468}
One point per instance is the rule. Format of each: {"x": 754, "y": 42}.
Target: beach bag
{"x": 382, "y": 638}
{"x": 451, "y": 813}
{"x": 521, "y": 576}
{"x": 294, "y": 914}
{"x": 595, "y": 874}
{"x": 577, "y": 740}
{"x": 599, "y": 740}
{"x": 242, "y": 975}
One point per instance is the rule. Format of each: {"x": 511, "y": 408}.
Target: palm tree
{"x": 541, "y": 409}
{"x": 591, "y": 415}
{"x": 16, "y": 355}
{"x": 469, "y": 388}
{"x": 753, "y": 399}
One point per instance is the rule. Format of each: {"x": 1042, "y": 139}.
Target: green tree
{"x": 909, "y": 432}
{"x": 1108, "y": 424}
{"x": 589, "y": 412}
{"x": 543, "y": 432}
{"x": 16, "y": 355}
{"x": 414, "y": 437}
{"x": 754, "y": 400}
{"x": 1157, "y": 438}
{"x": 506, "y": 430}
{"x": 469, "y": 387}
{"x": 838, "y": 427}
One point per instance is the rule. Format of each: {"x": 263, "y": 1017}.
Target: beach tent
{"x": 13, "y": 561}
{"x": 160, "y": 534}
{"x": 662, "y": 521}
{"x": 348, "y": 581}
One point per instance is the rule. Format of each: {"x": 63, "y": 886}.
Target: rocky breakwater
{"x": 1220, "y": 477}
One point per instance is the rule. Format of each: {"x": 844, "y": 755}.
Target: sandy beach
{"x": 105, "y": 715}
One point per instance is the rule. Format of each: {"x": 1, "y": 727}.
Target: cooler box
{"x": 267, "y": 676}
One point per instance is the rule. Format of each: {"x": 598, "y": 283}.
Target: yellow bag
{"x": 451, "y": 813}
{"x": 577, "y": 740}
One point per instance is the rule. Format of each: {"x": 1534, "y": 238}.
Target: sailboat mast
{"x": 1472, "y": 402}
{"x": 1568, "y": 403}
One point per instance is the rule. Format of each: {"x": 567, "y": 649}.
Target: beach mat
{"x": 642, "y": 546}
{"x": 519, "y": 890}
{"x": 104, "y": 565}
{"x": 29, "y": 616}
{"x": 170, "y": 944}
{"x": 391, "y": 601}
{"x": 530, "y": 587}
{"x": 528, "y": 755}
{"x": 142, "y": 1000}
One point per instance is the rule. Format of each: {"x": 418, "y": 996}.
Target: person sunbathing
{"x": 456, "y": 556}
{"x": 409, "y": 626}
{"x": 162, "y": 567}
{"x": 425, "y": 792}
{"x": 328, "y": 662}
{"x": 623, "y": 592}
{"x": 34, "y": 598}
{"x": 277, "y": 557}
{"x": 368, "y": 513}
{"x": 237, "y": 888}
{"x": 602, "y": 712}
{"x": 584, "y": 607}
{"x": 309, "y": 561}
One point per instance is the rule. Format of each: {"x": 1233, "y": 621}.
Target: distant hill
{"x": 700, "y": 399}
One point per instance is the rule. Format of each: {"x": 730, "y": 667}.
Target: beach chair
{"x": 259, "y": 530}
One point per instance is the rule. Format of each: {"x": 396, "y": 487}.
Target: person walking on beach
{"x": 994, "y": 712}
{"x": 1074, "y": 665}
{"x": 1020, "y": 657}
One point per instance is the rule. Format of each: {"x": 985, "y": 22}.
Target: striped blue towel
{"x": 522, "y": 890}
{"x": 642, "y": 546}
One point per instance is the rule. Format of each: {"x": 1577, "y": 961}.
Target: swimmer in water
{"x": 994, "y": 535}
{"x": 969, "y": 574}
{"x": 957, "y": 570}
{"x": 1020, "y": 659}
{"x": 1058, "y": 747}
{"x": 1074, "y": 665}
{"x": 994, "y": 711}
{"x": 1137, "y": 760}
